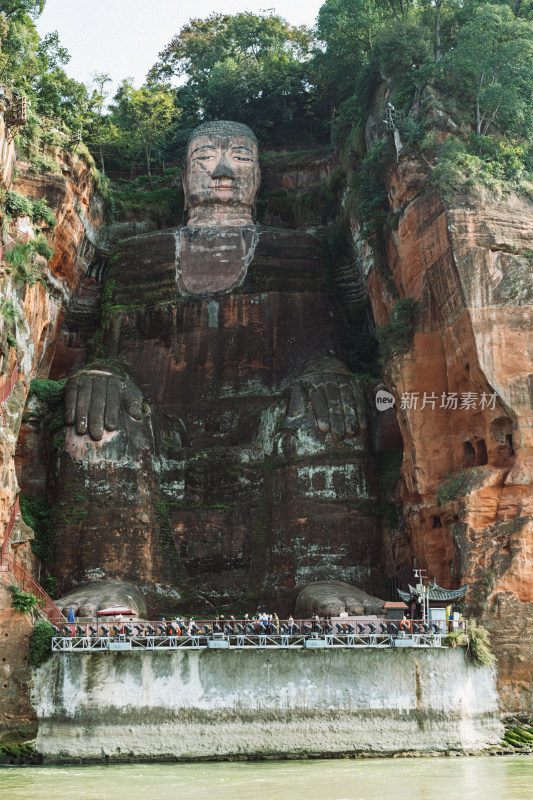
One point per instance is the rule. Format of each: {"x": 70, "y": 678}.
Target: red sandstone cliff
{"x": 467, "y": 471}
{"x": 33, "y": 311}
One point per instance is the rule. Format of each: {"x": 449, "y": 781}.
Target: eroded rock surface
{"x": 467, "y": 465}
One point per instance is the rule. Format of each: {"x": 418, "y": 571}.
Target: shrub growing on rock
{"x": 40, "y": 643}
{"x": 478, "y": 645}
{"x": 397, "y": 335}
{"x": 22, "y": 601}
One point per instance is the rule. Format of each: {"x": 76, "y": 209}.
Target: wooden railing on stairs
{"x": 10, "y": 566}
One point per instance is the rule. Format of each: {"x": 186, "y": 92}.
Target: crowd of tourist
{"x": 258, "y": 624}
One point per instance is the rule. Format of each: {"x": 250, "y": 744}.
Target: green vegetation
{"x": 368, "y": 188}
{"x": 41, "y": 212}
{"x": 294, "y": 85}
{"x": 9, "y": 312}
{"x": 388, "y": 464}
{"x": 456, "y": 639}
{"x": 36, "y": 512}
{"x": 490, "y": 578}
{"x": 163, "y": 202}
{"x": 40, "y": 643}
{"x": 397, "y": 335}
{"x": 17, "y": 205}
{"x": 40, "y": 164}
{"x": 476, "y": 641}
{"x": 149, "y": 111}
{"x": 474, "y": 162}
{"x": 254, "y": 68}
{"x": 19, "y": 754}
{"x": 50, "y": 586}
{"x": 479, "y": 645}
{"x": 49, "y": 391}
{"x": 22, "y": 601}
{"x": 21, "y": 264}
{"x": 452, "y": 484}
{"x": 519, "y": 736}
{"x": 41, "y": 246}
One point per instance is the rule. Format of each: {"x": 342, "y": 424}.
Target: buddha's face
{"x": 221, "y": 180}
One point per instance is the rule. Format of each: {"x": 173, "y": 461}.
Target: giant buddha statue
{"x": 216, "y": 450}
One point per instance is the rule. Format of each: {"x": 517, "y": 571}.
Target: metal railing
{"x": 151, "y": 636}
{"x": 11, "y": 566}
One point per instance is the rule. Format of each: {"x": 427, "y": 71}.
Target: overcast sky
{"x": 124, "y": 37}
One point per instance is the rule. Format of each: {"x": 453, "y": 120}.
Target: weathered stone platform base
{"x": 224, "y": 704}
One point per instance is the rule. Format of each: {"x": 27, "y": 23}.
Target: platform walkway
{"x": 308, "y": 634}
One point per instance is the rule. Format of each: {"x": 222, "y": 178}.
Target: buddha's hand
{"x": 94, "y": 399}
{"x": 327, "y": 396}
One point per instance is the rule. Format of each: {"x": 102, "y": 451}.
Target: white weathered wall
{"x": 211, "y": 704}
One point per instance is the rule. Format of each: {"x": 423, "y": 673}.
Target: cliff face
{"x": 18, "y": 720}
{"x": 467, "y": 467}
{"x": 33, "y": 311}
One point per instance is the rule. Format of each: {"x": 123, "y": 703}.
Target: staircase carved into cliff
{"x": 350, "y": 283}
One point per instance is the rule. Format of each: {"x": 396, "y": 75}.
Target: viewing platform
{"x": 304, "y": 634}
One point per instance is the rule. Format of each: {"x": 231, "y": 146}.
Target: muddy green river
{"x": 491, "y": 778}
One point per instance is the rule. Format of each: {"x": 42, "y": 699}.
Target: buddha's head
{"x": 221, "y": 174}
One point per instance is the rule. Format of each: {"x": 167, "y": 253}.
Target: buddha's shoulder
{"x": 286, "y": 237}
{"x": 285, "y": 260}
{"x": 154, "y": 244}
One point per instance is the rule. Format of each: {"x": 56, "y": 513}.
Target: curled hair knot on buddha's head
{"x": 222, "y": 127}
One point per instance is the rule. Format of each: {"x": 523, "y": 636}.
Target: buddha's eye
{"x": 242, "y": 158}
{"x": 203, "y": 158}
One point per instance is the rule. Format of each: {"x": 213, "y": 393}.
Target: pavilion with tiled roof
{"x": 437, "y": 596}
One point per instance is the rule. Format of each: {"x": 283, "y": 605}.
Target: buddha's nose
{"x": 223, "y": 170}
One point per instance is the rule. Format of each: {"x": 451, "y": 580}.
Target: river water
{"x": 495, "y": 778}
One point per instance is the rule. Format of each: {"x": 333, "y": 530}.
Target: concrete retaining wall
{"x": 223, "y": 703}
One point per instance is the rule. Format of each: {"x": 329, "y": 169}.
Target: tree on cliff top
{"x": 34, "y": 66}
{"x": 145, "y": 114}
{"x": 254, "y": 68}
{"x": 491, "y": 70}
{"x": 17, "y": 9}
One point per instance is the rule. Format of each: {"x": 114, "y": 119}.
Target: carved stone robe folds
{"x": 248, "y": 475}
